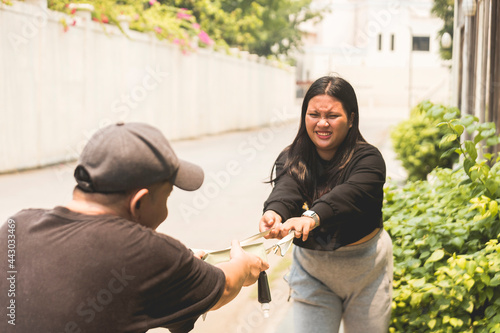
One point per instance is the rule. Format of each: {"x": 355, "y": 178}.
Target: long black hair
{"x": 302, "y": 157}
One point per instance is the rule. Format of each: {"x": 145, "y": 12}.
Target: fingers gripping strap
{"x": 254, "y": 245}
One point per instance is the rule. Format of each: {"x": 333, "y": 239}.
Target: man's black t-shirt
{"x": 100, "y": 273}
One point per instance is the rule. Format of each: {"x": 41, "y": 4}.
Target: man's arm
{"x": 242, "y": 270}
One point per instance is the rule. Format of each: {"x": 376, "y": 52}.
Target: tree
{"x": 263, "y": 27}
{"x": 444, "y": 9}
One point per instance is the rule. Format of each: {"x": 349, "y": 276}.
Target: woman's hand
{"x": 301, "y": 225}
{"x": 270, "y": 220}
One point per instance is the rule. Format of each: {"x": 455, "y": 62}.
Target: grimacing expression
{"x": 327, "y": 124}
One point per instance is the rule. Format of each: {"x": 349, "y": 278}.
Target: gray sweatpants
{"x": 353, "y": 284}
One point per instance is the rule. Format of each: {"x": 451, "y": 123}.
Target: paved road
{"x": 227, "y": 206}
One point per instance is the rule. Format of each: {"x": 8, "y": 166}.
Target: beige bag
{"x": 254, "y": 245}
{"x": 216, "y": 257}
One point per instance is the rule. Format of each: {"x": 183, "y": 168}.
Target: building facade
{"x": 388, "y": 49}
{"x": 476, "y": 59}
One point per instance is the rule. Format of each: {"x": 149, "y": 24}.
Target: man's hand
{"x": 242, "y": 270}
{"x": 254, "y": 264}
{"x": 270, "y": 220}
{"x": 199, "y": 254}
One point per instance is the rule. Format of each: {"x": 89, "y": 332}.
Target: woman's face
{"x": 327, "y": 124}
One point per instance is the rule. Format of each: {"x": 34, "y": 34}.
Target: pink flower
{"x": 196, "y": 26}
{"x": 158, "y": 30}
{"x": 204, "y": 38}
{"x": 182, "y": 14}
{"x": 152, "y": 2}
{"x": 176, "y": 41}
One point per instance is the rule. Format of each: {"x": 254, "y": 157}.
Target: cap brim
{"x": 189, "y": 176}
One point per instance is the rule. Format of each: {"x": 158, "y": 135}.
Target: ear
{"x": 135, "y": 203}
{"x": 351, "y": 119}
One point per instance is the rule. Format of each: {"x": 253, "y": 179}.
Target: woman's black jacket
{"x": 349, "y": 211}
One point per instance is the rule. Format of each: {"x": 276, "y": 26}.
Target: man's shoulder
{"x": 128, "y": 237}
{"x": 28, "y": 212}
{"x": 120, "y": 232}
{"x": 22, "y": 217}
{"x": 100, "y": 230}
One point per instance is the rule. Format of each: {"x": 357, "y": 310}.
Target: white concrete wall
{"x": 57, "y": 88}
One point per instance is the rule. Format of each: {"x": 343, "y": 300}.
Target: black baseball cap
{"x": 127, "y": 156}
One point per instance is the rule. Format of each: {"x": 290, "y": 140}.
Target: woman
{"x": 342, "y": 261}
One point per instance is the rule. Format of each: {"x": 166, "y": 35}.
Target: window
{"x": 421, "y": 43}
{"x": 380, "y": 42}
{"x": 392, "y": 42}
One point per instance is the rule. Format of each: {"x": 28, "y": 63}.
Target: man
{"x": 97, "y": 265}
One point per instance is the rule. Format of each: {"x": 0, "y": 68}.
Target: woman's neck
{"x": 326, "y": 155}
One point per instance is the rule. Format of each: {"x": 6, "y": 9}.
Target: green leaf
{"x": 471, "y": 128}
{"x": 447, "y": 139}
{"x": 469, "y": 283}
{"x": 478, "y": 138}
{"x": 431, "y": 323}
{"x": 458, "y": 242}
{"x": 486, "y": 126}
{"x": 456, "y": 322}
{"x": 449, "y": 152}
{"x": 474, "y": 174}
{"x": 449, "y": 115}
{"x": 493, "y": 205}
{"x": 489, "y": 293}
{"x": 465, "y": 182}
{"x": 459, "y": 129}
{"x": 435, "y": 111}
{"x": 461, "y": 262}
{"x": 417, "y": 283}
{"x": 490, "y": 311}
{"x": 492, "y": 141}
{"x": 467, "y": 120}
{"x": 492, "y": 186}
{"x": 436, "y": 256}
{"x": 496, "y": 280}
{"x": 485, "y": 278}
{"x": 416, "y": 299}
{"x": 488, "y": 132}
{"x": 468, "y": 164}
{"x": 470, "y": 147}
{"x": 469, "y": 306}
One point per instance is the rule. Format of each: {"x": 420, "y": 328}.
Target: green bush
{"x": 416, "y": 140}
{"x": 445, "y": 233}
